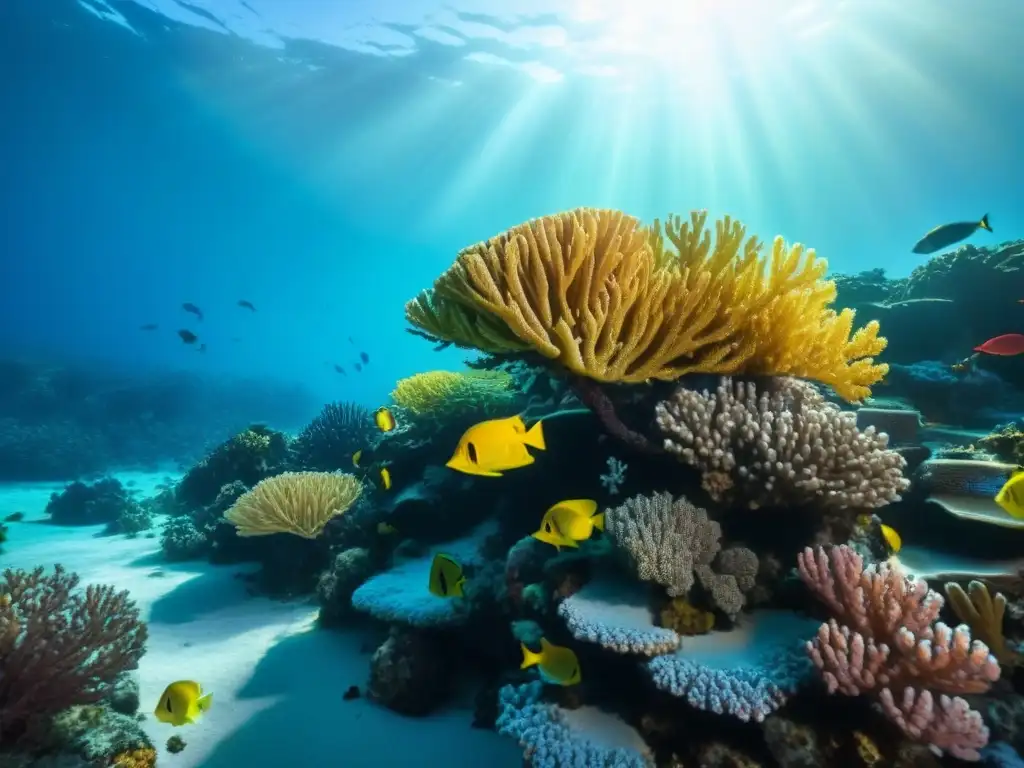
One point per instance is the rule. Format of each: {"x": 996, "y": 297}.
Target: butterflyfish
{"x": 1011, "y": 496}
{"x": 181, "y": 703}
{"x": 385, "y": 478}
{"x": 948, "y": 234}
{"x": 494, "y": 446}
{"x": 446, "y": 577}
{"x": 383, "y": 418}
{"x": 356, "y": 457}
{"x": 893, "y": 539}
{"x": 557, "y": 664}
{"x": 569, "y": 522}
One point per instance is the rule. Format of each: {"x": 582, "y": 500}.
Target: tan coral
{"x": 300, "y": 503}
{"x": 983, "y": 613}
{"x": 616, "y": 302}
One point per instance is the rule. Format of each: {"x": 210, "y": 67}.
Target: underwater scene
{"x": 483, "y": 384}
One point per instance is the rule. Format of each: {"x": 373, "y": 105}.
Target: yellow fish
{"x": 557, "y": 664}
{"x": 892, "y": 538}
{"x": 569, "y": 522}
{"x": 446, "y": 578}
{"x": 181, "y": 703}
{"x": 1011, "y": 496}
{"x": 496, "y": 445}
{"x": 386, "y": 529}
{"x": 385, "y": 478}
{"x": 384, "y": 419}
{"x": 356, "y": 457}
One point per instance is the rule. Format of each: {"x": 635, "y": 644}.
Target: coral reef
{"x": 105, "y": 501}
{"x": 445, "y": 394}
{"x": 300, "y": 503}
{"x": 329, "y": 441}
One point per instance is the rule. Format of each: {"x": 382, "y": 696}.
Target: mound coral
{"x": 301, "y": 503}
{"x": 60, "y": 647}
{"x": 780, "y": 445}
{"x": 608, "y": 299}
{"x": 438, "y": 393}
{"x": 886, "y": 640}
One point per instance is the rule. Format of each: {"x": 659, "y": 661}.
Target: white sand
{"x": 277, "y": 681}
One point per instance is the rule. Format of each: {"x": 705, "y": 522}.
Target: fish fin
{"x": 567, "y": 542}
{"x": 530, "y": 657}
{"x": 545, "y": 646}
{"x": 457, "y": 590}
{"x": 534, "y": 437}
{"x": 204, "y": 703}
{"x": 984, "y": 223}
{"x": 598, "y": 521}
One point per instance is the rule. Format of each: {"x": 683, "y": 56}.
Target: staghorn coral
{"x": 886, "y": 639}
{"x": 441, "y": 393}
{"x": 300, "y": 503}
{"x": 780, "y": 445}
{"x": 60, "y": 647}
{"x": 609, "y": 300}
{"x": 329, "y": 440}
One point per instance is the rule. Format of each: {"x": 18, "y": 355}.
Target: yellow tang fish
{"x": 385, "y": 478}
{"x": 1011, "y": 496}
{"x": 569, "y": 522}
{"x": 892, "y": 538}
{"x": 446, "y": 578}
{"x": 557, "y": 664}
{"x": 356, "y": 457}
{"x": 496, "y": 445}
{"x": 384, "y": 419}
{"x": 181, "y": 703}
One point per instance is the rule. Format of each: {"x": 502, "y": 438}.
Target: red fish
{"x": 1007, "y": 344}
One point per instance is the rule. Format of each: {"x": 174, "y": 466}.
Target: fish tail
{"x": 529, "y": 657}
{"x": 534, "y": 437}
{"x": 598, "y": 521}
{"x": 204, "y": 702}
{"x": 984, "y": 223}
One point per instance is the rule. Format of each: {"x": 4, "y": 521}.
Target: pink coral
{"x": 886, "y": 637}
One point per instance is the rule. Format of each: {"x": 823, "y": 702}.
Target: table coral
{"x": 613, "y": 301}
{"x": 778, "y": 445}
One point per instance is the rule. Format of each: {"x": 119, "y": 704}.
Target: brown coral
{"x": 135, "y": 758}
{"x": 609, "y": 300}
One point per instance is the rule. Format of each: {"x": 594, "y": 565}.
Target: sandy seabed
{"x": 277, "y": 680}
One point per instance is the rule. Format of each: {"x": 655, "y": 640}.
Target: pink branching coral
{"x": 886, "y": 639}
{"x": 60, "y": 647}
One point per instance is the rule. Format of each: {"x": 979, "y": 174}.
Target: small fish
{"x": 1006, "y": 345}
{"x": 339, "y": 369}
{"x": 491, "y": 447}
{"x": 948, "y": 234}
{"x": 181, "y": 703}
{"x": 384, "y": 419}
{"x": 892, "y": 538}
{"x": 246, "y": 305}
{"x": 187, "y": 336}
{"x": 557, "y": 664}
{"x": 202, "y": 347}
{"x": 1011, "y": 496}
{"x": 356, "y": 457}
{"x": 148, "y": 327}
{"x": 350, "y": 340}
{"x": 386, "y": 529}
{"x": 358, "y": 367}
{"x": 964, "y": 366}
{"x": 1020, "y": 301}
{"x": 188, "y": 306}
{"x": 364, "y": 357}
{"x": 569, "y": 522}
{"x": 446, "y": 577}
{"x": 385, "y": 478}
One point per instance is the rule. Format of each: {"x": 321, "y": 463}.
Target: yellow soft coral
{"x": 440, "y": 392}
{"x": 134, "y": 758}
{"x": 613, "y": 301}
{"x": 301, "y": 503}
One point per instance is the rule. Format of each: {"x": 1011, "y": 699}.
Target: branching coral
{"x": 329, "y": 440}
{"x": 609, "y": 300}
{"x": 60, "y": 647}
{"x": 444, "y": 392}
{"x": 886, "y": 639}
{"x": 300, "y": 503}
{"x": 780, "y": 445}
{"x": 983, "y": 613}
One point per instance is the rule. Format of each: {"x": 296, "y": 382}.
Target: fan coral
{"x": 440, "y": 392}
{"x": 783, "y": 445}
{"x": 886, "y": 639}
{"x": 604, "y": 297}
{"x": 301, "y": 503}
{"x": 59, "y": 647}
{"x": 328, "y": 441}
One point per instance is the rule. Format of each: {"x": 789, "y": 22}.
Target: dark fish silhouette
{"x": 350, "y": 340}
{"x": 188, "y": 306}
{"x": 246, "y": 304}
{"x": 364, "y": 357}
{"x": 187, "y": 336}
{"x": 358, "y": 367}
{"x": 148, "y": 327}
{"x": 948, "y": 234}
{"x": 202, "y": 347}
{"x": 340, "y": 370}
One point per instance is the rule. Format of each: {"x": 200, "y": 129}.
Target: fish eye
{"x": 471, "y": 450}
{"x": 168, "y": 704}
{"x": 547, "y": 527}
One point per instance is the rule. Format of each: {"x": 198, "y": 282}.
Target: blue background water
{"x": 327, "y": 160}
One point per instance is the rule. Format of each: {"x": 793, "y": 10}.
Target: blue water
{"x": 327, "y": 160}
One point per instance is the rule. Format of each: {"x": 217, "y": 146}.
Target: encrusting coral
{"x": 780, "y": 445}
{"x": 603, "y": 296}
{"x": 885, "y": 639}
{"x": 301, "y": 503}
